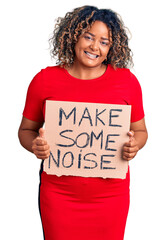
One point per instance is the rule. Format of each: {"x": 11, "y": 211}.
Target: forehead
{"x": 99, "y": 28}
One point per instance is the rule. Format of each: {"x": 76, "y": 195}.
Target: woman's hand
{"x": 40, "y": 146}
{"x": 138, "y": 137}
{"x": 130, "y": 148}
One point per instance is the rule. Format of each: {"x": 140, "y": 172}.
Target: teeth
{"x": 91, "y": 55}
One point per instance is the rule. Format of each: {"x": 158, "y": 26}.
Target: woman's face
{"x": 93, "y": 46}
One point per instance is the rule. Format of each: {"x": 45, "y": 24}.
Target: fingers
{"x": 129, "y": 152}
{"x": 40, "y": 146}
{"x": 129, "y": 155}
{"x": 40, "y": 141}
{"x": 130, "y": 148}
{"x": 130, "y": 144}
{"x": 44, "y": 147}
{"x": 42, "y": 154}
{"x": 41, "y": 151}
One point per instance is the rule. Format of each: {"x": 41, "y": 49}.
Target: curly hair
{"x": 68, "y": 30}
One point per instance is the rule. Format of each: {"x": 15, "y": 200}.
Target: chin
{"x": 92, "y": 65}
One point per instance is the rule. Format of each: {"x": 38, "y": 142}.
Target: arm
{"x": 138, "y": 137}
{"x": 31, "y": 136}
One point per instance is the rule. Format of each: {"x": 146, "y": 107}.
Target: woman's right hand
{"x": 40, "y": 146}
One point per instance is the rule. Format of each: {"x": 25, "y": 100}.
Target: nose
{"x": 94, "y": 46}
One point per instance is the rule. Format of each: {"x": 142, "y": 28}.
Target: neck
{"x": 85, "y": 73}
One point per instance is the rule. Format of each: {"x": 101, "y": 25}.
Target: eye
{"x": 88, "y": 37}
{"x": 105, "y": 43}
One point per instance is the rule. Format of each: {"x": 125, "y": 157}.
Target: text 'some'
{"x": 86, "y": 139}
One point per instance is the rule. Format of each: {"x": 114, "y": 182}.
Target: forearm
{"x": 26, "y": 138}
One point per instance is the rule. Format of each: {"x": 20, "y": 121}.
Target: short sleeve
{"x": 33, "y": 109}
{"x": 137, "y": 111}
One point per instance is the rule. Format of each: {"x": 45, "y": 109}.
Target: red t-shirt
{"x": 118, "y": 86}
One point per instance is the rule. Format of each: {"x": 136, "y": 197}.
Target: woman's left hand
{"x": 130, "y": 148}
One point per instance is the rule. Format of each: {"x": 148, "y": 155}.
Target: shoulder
{"x": 52, "y": 70}
{"x": 46, "y": 74}
{"x": 126, "y": 74}
{"x": 120, "y": 74}
{"x": 126, "y": 77}
{"x": 123, "y": 72}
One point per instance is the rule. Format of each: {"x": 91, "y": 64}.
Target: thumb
{"x": 130, "y": 133}
{"x": 41, "y": 132}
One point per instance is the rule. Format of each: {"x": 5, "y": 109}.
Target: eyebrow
{"x": 94, "y": 36}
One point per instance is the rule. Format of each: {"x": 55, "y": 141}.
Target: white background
{"x": 25, "y": 27}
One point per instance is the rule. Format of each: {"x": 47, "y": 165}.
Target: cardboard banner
{"x": 86, "y": 139}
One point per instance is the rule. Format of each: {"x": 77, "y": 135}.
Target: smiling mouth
{"x": 93, "y": 56}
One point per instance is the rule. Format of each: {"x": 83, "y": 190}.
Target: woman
{"x": 91, "y": 46}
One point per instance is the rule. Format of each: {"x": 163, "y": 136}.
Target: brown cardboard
{"x": 86, "y": 139}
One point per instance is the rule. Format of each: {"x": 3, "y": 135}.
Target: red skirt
{"x": 79, "y": 208}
